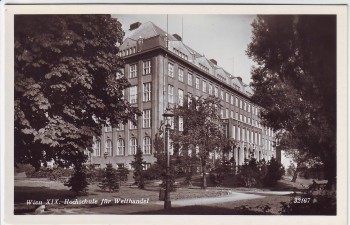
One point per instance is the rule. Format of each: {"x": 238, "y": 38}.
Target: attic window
{"x": 204, "y": 67}
{"x": 179, "y": 53}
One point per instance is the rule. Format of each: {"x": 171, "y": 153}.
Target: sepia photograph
{"x": 152, "y": 113}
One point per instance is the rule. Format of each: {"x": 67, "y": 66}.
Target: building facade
{"x": 162, "y": 70}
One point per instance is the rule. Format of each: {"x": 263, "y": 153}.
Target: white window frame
{"x": 170, "y": 94}
{"x": 133, "y": 96}
{"x": 146, "y": 67}
{"x": 181, "y": 97}
{"x": 109, "y": 147}
{"x": 204, "y": 87}
{"x": 147, "y": 92}
{"x": 190, "y": 79}
{"x": 181, "y": 74}
{"x": 147, "y": 115}
{"x": 133, "y": 146}
{"x": 120, "y": 146}
{"x": 146, "y": 146}
{"x": 97, "y": 148}
{"x": 170, "y": 69}
{"x": 133, "y": 71}
{"x": 197, "y": 83}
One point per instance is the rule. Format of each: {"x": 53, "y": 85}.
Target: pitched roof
{"x": 147, "y": 30}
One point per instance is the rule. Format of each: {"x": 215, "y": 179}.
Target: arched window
{"x": 133, "y": 146}
{"x": 147, "y": 145}
{"x": 109, "y": 147}
{"x": 120, "y": 147}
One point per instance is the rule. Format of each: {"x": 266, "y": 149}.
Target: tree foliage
{"x": 295, "y": 80}
{"x": 202, "y": 132}
{"x": 138, "y": 165}
{"x": 65, "y": 85}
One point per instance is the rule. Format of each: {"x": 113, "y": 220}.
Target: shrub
{"x": 78, "y": 182}
{"x": 152, "y": 173}
{"x": 111, "y": 180}
{"x": 275, "y": 171}
{"x": 217, "y": 175}
{"x": 249, "y": 175}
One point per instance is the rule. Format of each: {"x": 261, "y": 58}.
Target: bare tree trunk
{"x": 204, "y": 179}
{"x": 295, "y": 175}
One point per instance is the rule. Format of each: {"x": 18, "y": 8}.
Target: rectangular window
{"x": 97, "y": 148}
{"x": 181, "y": 123}
{"x": 108, "y": 129}
{"x": 133, "y": 94}
{"x": 243, "y": 134}
{"x": 237, "y": 103}
{"x": 147, "y": 92}
{"x": 234, "y": 132}
{"x": 248, "y": 139}
{"x": 232, "y": 114}
{"x": 222, "y": 94}
{"x": 109, "y": 147}
{"x": 132, "y": 126}
{"x": 248, "y": 107}
{"x": 120, "y": 126}
{"x": 237, "y": 116}
{"x": 170, "y": 94}
{"x": 241, "y": 117}
{"x": 147, "y": 67}
{"x": 259, "y": 139}
{"x": 248, "y": 120}
{"x": 244, "y": 119}
{"x": 238, "y": 133}
{"x": 204, "y": 86}
{"x": 189, "y": 79}
{"x": 146, "y": 118}
{"x": 133, "y": 146}
{"x": 216, "y": 92}
{"x": 240, "y": 104}
{"x": 227, "y": 114}
{"x": 232, "y": 100}
{"x": 222, "y": 113}
{"x": 181, "y": 75}
{"x": 227, "y": 97}
{"x": 147, "y": 145}
{"x": 170, "y": 70}
{"x": 210, "y": 89}
{"x": 133, "y": 71}
{"x": 245, "y": 106}
{"x": 197, "y": 83}
{"x": 181, "y": 97}
{"x": 189, "y": 98}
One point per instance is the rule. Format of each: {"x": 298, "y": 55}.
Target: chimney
{"x": 214, "y": 61}
{"x": 134, "y": 26}
{"x": 178, "y": 37}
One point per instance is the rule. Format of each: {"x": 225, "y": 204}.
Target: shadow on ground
{"x": 24, "y": 193}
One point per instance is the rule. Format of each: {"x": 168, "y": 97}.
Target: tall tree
{"x": 202, "y": 129}
{"x": 295, "y": 81}
{"x": 65, "y": 85}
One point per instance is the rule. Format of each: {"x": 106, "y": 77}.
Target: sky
{"x": 221, "y": 37}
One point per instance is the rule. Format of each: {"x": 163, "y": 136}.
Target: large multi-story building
{"x": 162, "y": 70}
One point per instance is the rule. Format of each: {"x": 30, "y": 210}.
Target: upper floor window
{"x": 120, "y": 126}
{"x": 171, "y": 70}
{"x": 237, "y": 102}
{"x": 204, "y": 86}
{"x": 108, "y": 129}
{"x": 216, "y": 92}
{"x": 133, "y": 94}
{"x": 181, "y": 75}
{"x": 147, "y": 92}
{"x": 232, "y": 100}
{"x": 181, "y": 97}
{"x": 132, "y": 125}
{"x": 210, "y": 89}
{"x": 189, "y": 79}
{"x": 227, "y": 97}
{"x": 146, "y": 118}
{"x": 133, "y": 71}
{"x": 197, "y": 83}
{"x": 147, "y": 67}
{"x": 222, "y": 94}
{"x": 170, "y": 94}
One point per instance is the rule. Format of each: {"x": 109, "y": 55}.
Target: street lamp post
{"x": 167, "y": 115}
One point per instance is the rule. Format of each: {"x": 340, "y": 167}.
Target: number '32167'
{"x": 302, "y": 200}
